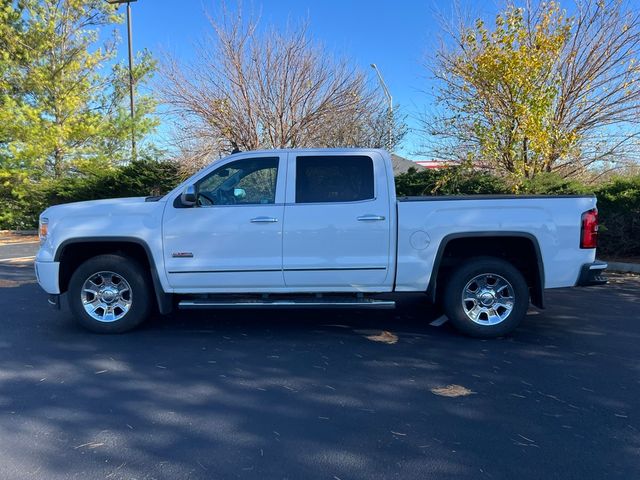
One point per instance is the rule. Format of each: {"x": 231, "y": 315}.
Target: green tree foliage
{"x": 60, "y": 113}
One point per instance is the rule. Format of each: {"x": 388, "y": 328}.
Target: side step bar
{"x": 292, "y": 303}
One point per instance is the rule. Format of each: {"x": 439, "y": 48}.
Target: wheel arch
{"x": 505, "y": 244}
{"x": 73, "y": 252}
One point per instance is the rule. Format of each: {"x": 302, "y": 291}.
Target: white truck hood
{"x": 76, "y": 207}
{"x": 117, "y": 217}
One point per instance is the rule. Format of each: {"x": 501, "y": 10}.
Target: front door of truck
{"x": 232, "y": 238}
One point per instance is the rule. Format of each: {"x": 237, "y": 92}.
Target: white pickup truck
{"x": 313, "y": 228}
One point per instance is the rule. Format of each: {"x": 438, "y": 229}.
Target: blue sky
{"x": 396, "y": 35}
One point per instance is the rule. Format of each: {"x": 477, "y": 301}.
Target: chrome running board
{"x": 288, "y": 303}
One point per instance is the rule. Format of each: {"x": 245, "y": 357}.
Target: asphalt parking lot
{"x": 306, "y": 394}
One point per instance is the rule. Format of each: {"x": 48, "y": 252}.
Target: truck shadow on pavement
{"x": 305, "y": 393}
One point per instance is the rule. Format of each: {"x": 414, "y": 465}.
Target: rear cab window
{"x": 331, "y": 179}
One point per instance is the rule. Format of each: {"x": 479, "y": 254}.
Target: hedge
{"x": 619, "y": 210}
{"x": 21, "y": 201}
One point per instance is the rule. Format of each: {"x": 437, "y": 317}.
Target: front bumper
{"x": 47, "y": 274}
{"x": 591, "y": 274}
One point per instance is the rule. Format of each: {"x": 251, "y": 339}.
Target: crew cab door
{"x": 231, "y": 239}
{"x": 337, "y": 222}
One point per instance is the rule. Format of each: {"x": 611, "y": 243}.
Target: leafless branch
{"x": 252, "y": 88}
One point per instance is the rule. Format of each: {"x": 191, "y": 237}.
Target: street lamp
{"x": 133, "y": 127}
{"x": 390, "y": 100}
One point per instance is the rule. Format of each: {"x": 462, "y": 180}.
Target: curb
{"x": 19, "y": 232}
{"x": 623, "y": 267}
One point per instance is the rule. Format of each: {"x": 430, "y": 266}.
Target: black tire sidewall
{"x": 476, "y": 266}
{"x": 127, "y": 268}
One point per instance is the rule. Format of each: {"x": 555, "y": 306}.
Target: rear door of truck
{"x": 337, "y": 222}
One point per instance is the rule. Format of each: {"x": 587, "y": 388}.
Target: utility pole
{"x": 131, "y": 81}
{"x": 390, "y": 108}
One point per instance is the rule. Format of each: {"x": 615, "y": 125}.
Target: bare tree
{"x": 250, "y": 88}
{"x": 598, "y": 101}
{"x": 540, "y": 90}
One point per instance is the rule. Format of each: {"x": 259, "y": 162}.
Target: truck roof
{"x": 314, "y": 150}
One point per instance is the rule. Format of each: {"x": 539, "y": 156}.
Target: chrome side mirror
{"x": 189, "y": 196}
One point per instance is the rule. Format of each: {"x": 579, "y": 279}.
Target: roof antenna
{"x": 235, "y": 148}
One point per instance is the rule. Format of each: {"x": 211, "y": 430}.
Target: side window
{"x": 334, "y": 179}
{"x": 243, "y": 182}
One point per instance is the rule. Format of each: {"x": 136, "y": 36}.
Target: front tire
{"x": 486, "y": 297}
{"x": 109, "y": 294}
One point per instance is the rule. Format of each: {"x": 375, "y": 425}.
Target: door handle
{"x": 371, "y": 218}
{"x": 264, "y": 220}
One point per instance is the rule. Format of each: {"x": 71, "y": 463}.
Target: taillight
{"x": 589, "y": 230}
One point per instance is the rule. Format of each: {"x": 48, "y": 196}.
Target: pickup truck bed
{"x": 546, "y": 225}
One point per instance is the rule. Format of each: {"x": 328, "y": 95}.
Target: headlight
{"x": 43, "y": 229}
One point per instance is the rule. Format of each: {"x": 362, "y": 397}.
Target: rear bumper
{"x": 47, "y": 275}
{"x": 591, "y": 274}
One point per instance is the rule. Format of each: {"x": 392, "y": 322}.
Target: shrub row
{"x": 619, "y": 208}
{"x": 22, "y": 201}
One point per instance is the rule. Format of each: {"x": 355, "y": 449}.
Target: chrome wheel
{"x": 488, "y": 299}
{"x": 106, "y": 296}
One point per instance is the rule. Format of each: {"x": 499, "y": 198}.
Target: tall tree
{"x": 59, "y": 110}
{"x": 539, "y": 91}
{"x": 252, "y": 88}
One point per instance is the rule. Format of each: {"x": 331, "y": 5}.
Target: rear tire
{"x": 486, "y": 297}
{"x": 110, "y": 294}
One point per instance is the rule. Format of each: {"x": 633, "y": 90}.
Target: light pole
{"x": 131, "y": 100}
{"x": 390, "y": 100}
